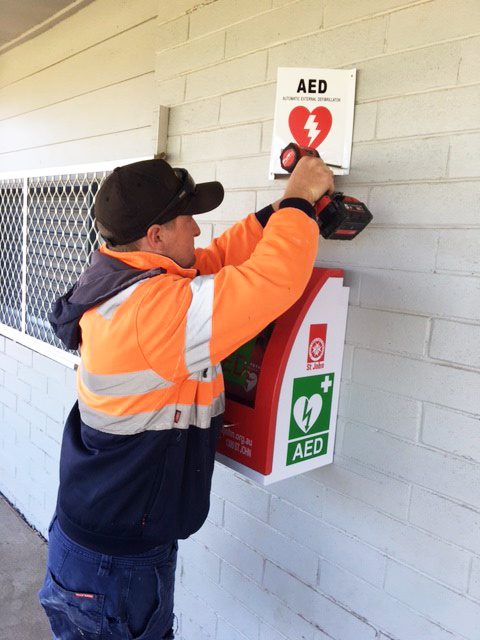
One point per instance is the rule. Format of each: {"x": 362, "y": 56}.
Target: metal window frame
{"x": 68, "y": 359}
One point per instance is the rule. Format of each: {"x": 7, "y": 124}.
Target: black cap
{"x": 137, "y": 195}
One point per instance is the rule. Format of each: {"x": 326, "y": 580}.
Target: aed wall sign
{"x": 282, "y": 387}
{"x": 314, "y": 108}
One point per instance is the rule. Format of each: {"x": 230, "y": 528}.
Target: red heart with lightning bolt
{"x": 310, "y": 128}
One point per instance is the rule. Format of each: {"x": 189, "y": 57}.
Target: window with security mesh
{"x": 47, "y": 235}
{"x": 11, "y": 238}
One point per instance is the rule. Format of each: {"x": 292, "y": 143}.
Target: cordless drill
{"x": 339, "y": 217}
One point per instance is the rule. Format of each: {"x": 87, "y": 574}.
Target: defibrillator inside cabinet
{"x": 282, "y": 387}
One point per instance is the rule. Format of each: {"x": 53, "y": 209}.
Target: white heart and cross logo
{"x": 306, "y": 411}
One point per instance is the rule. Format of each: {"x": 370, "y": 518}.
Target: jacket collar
{"x": 145, "y": 260}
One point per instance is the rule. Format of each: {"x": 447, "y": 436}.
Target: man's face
{"x": 179, "y": 235}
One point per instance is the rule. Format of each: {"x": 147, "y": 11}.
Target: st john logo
{"x": 316, "y": 346}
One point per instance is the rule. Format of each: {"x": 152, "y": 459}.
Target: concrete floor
{"x": 23, "y": 556}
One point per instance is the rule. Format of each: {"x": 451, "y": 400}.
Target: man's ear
{"x": 155, "y": 237}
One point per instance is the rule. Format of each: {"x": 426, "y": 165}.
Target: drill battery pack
{"x": 341, "y": 217}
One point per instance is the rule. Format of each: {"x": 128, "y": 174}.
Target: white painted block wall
{"x": 385, "y": 543}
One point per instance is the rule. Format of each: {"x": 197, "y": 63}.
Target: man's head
{"x": 141, "y": 202}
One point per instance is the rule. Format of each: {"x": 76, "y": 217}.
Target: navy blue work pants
{"x": 90, "y": 596}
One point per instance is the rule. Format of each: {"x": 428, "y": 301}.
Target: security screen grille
{"x": 47, "y": 234}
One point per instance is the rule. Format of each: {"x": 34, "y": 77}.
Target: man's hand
{"x": 310, "y": 180}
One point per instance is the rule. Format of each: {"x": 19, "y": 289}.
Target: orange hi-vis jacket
{"x": 138, "y": 449}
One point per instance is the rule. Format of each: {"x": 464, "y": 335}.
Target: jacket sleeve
{"x": 233, "y": 247}
{"x": 207, "y": 318}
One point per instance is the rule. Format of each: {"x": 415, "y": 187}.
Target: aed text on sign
{"x": 312, "y": 85}
{"x": 307, "y": 448}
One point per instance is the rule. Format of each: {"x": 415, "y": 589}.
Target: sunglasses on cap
{"x": 187, "y": 188}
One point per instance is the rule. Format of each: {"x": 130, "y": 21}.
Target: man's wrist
{"x": 298, "y": 203}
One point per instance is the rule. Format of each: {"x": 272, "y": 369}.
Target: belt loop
{"x": 105, "y": 565}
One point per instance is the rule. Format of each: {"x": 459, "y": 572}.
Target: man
{"x": 153, "y": 318}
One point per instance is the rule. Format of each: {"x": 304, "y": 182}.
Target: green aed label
{"x": 309, "y": 417}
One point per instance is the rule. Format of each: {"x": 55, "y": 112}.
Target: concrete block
{"x": 2, "y": 344}
{"x": 44, "y": 443}
{"x": 417, "y": 379}
{"x": 341, "y": 11}
{"x": 474, "y": 584}
{"x": 244, "y": 173}
{"x": 228, "y": 76}
{"x": 267, "y": 136}
{"x": 387, "y": 248}
{"x": 302, "y": 491}
{"x": 464, "y": 159}
{"x": 193, "y": 116}
{"x": 429, "y": 294}
{"x": 449, "y": 520}
{"x": 327, "y": 542}
{"x": 231, "y": 550}
{"x": 189, "y": 56}
{"x": 452, "y": 610}
{"x": 401, "y": 541}
{"x": 378, "y": 490}
{"x": 387, "y": 331}
{"x": 171, "y": 34}
{"x": 364, "y": 122}
{"x": 398, "y": 160}
{"x": 169, "y": 11}
{"x": 45, "y": 404}
{"x": 225, "y": 603}
{"x": 435, "y": 204}
{"x": 241, "y": 492}
{"x": 432, "y": 469}
{"x": 224, "y": 13}
{"x": 365, "y": 40}
{"x": 18, "y": 388}
{"x": 425, "y": 113}
{"x": 458, "y": 250}
{"x": 275, "y": 26}
{"x": 394, "y": 618}
{"x": 408, "y": 72}
{"x": 235, "y": 206}
{"x": 469, "y": 55}
{"x": 217, "y": 505}
{"x": 62, "y": 393}
{"x": 218, "y": 144}
{"x": 397, "y": 415}
{"x": 19, "y": 352}
{"x": 433, "y": 21}
{"x": 314, "y": 607}
{"x": 170, "y": 92}
{"x": 450, "y": 431}
{"x": 205, "y": 561}
{"x": 54, "y": 430}
{"x": 32, "y": 377}
{"x": 257, "y": 103}
{"x": 265, "y": 605}
{"x": 8, "y": 364}
{"x": 49, "y": 368}
{"x": 8, "y": 399}
{"x": 32, "y": 414}
{"x": 194, "y": 607}
{"x": 19, "y": 425}
{"x": 225, "y": 630}
{"x": 270, "y": 543}
{"x": 455, "y": 342}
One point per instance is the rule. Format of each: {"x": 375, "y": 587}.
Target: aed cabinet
{"x": 282, "y": 387}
